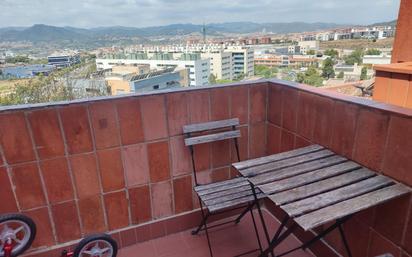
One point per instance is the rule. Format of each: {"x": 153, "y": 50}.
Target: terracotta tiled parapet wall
{"x": 402, "y": 51}
{"x": 108, "y": 164}
{"x": 374, "y": 134}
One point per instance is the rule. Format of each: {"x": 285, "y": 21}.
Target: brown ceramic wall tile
{"x": 221, "y": 153}
{"x": 398, "y": 91}
{"x": 26, "y": 179}
{"x": 181, "y": 162}
{"x": 301, "y": 142}
{"x": 140, "y": 205}
{"x": 220, "y": 174}
{"x": 85, "y": 175}
{"x": 240, "y": 103}
{"x": 289, "y": 108}
{"x": 273, "y": 136}
{"x": 6, "y": 194}
{"x": 117, "y": 212}
{"x": 357, "y": 235}
{"x": 57, "y": 180}
{"x": 324, "y": 114}
{"x": 370, "y": 138}
{"x": 104, "y": 121}
{"x": 202, "y": 155}
{"x": 306, "y": 115}
{"x": 47, "y": 133}
{"x": 76, "y": 129}
{"x": 66, "y": 221}
{"x": 111, "y": 169}
{"x": 162, "y": 199}
{"x": 130, "y": 121}
{"x": 220, "y": 104}
{"x": 382, "y": 85}
{"x": 128, "y": 237}
{"x": 199, "y": 104}
{"x": 44, "y": 235}
{"x": 257, "y": 140}
{"x": 154, "y": 117}
{"x": 158, "y": 154}
{"x": 287, "y": 141}
{"x": 177, "y": 114}
{"x": 182, "y": 188}
{"x": 380, "y": 245}
{"x": 408, "y": 235}
{"x": 136, "y": 165}
{"x": 275, "y": 104}
{"x": 15, "y": 138}
{"x": 391, "y": 217}
{"x": 258, "y": 105}
{"x": 343, "y": 127}
{"x": 91, "y": 214}
{"x": 398, "y": 155}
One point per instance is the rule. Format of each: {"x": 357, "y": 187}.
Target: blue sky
{"x": 143, "y": 13}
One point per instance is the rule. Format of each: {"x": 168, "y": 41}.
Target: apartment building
{"x": 63, "y": 60}
{"x": 199, "y": 69}
{"x": 243, "y": 60}
{"x": 221, "y": 64}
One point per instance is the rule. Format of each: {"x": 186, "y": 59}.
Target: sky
{"x": 145, "y": 13}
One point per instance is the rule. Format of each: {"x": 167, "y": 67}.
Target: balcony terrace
{"x": 119, "y": 165}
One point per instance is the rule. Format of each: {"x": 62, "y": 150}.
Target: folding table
{"x": 315, "y": 186}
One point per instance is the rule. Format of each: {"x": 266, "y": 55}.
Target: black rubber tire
{"x": 29, "y": 222}
{"x": 96, "y": 237}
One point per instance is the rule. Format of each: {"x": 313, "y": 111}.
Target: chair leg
{"x": 204, "y": 221}
{"x": 345, "y": 242}
{"x": 238, "y": 219}
{"x": 256, "y": 229}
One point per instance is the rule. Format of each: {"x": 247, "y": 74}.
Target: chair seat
{"x": 226, "y": 194}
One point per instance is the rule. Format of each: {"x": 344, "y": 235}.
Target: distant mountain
{"x": 387, "y": 23}
{"x": 45, "y": 33}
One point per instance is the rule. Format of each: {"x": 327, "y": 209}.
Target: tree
{"x": 364, "y": 73}
{"x": 311, "y": 52}
{"x": 310, "y": 77}
{"x": 332, "y": 53}
{"x": 328, "y": 71}
{"x": 265, "y": 71}
{"x": 212, "y": 79}
{"x": 373, "y": 51}
{"x": 355, "y": 57}
{"x": 341, "y": 75}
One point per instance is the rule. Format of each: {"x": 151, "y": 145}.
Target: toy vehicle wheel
{"x": 17, "y": 230}
{"x": 99, "y": 245}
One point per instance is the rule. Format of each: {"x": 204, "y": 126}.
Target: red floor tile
{"x": 227, "y": 241}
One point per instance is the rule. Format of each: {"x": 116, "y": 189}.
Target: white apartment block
{"x": 243, "y": 60}
{"x": 221, "y": 64}
{"x": 199, "y": 70}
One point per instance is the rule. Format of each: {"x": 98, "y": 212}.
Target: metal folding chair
{"x": 228, "y": 195}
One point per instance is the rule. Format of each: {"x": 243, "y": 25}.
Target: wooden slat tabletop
{"x": 314, "y": 186}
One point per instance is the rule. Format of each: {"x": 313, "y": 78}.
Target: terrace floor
{"x": 227, "y": 241}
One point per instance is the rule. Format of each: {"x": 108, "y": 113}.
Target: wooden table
{"x": 315, "y": 186}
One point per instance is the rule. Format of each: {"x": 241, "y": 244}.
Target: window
{"x": 156, "y": 87}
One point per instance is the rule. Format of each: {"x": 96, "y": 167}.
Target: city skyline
{"x": 146, "y": 13}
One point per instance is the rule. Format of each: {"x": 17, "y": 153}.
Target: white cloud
{"x": 141, "y": 13}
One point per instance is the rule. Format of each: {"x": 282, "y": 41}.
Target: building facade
{"x": 221, "y": 64}
{"x": 243, "y": 60}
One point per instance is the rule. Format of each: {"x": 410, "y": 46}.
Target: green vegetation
{"x": 42, "y": 88}
{"x": 364, "y": 73}
{"x": 223, "y": 81}
{"x": 373, "y": 51}
{"x": 212, "y": 79}
{"x": 355, "y": 57}
{"x": 332, "y": 53}
{"x": 311, "y": 52}
{"x": 266, "y": 72}
{"x": 328, "y": 71}
{"x": 341, "y": 75}
{"x": 25, "y": 60}
{"x": 310, "y": 77}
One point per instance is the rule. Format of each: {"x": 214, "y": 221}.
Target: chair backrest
{"x": 208, "y": 132}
